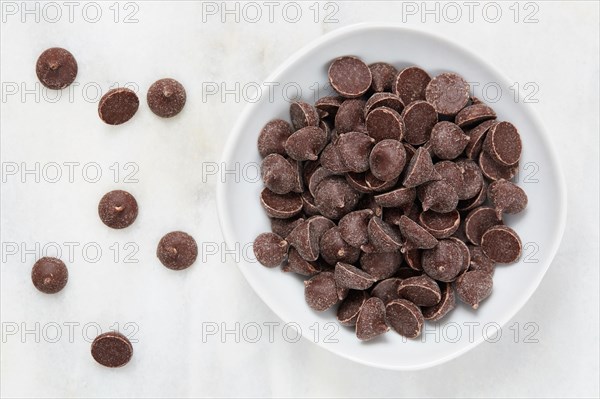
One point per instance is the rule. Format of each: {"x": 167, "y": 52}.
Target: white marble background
{"x": 185, "y": 40}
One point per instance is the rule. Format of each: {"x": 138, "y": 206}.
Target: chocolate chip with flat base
{"x": 448, "y": 93}
{"x": 272, "y": 137}
{"x": 503, "y": 143}
{"x": 320, "y": 291}
{"x": 387, "y": 159}
{"x": 501, "y": 244}
{"x": 371, "y": 321}
{"x": 381, "y": 265}
{"x": 347, "y": 313}
{"x": 506, "y": 197}
{"x": 118, "y": 106}
{"x": 473, "y": 287}
{"x": 410, "y": 84}
{"x": 474, "y": 114}
{"x": 404, "y": 317}
{"x": 478, "y": 221}
{"x": 419, "y": 119}
{"x": 444, "y": 262}
{"x": 303, "y": 114}
{"x": 112, "y": 349}
{"x": 351, "y": 277}
{"x": 444, "y": 306}
{"x": 280, "y": 206}
{"x": 384, "y": 123}
{"x": 448, "y": 140}
{"x": 440, "y": 225}
{"x": 421, "y": 290}
{"x": 349, "y": 76}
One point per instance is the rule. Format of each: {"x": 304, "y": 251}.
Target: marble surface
{"x": 196, "y": 330}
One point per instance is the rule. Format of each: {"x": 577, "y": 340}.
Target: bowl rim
{"x": 230, "y": 146}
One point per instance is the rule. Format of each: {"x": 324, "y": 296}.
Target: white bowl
{"x": 540, "y": 226}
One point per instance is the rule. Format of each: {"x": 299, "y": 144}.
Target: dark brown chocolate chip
{"x": 303, "y": 114}
{"x": 420, "y": 169}
{"x": 349, "y": 76}
{"x": 495, "y": 171}
{"x": 444, "y": 262}
{"x": 412, "y": 258}
{"x": 478, "y": 221}
{"x": 334, "y": 249}
{"x": 332, "y": 161}
{"x": 400, "y": 197}
{"x": 178, "y": 250}
{"x": 464, "y": 250}
{"x": 472, "y": 203}
{"x": 283, "y": 227}
{"x": 476, "y": 138}
{"x": 353, "y": 227}
{"x": 118, "y": 209}
{"x": 474, "y": 114}
{"x": 166, "y": 97}
{"x": 473, "y": 287}
{"x": 371, "y": 321}
{"x": 404, "y": 317}
{"x": 280, "y": 206}
{"x": 112, "y": 349}
{"x": 451, "y": 174}
{"x": 417, "y": 236}
{"x": 279, "y": 175}
{"x": 306, "y": 143}
{"x": 385, "y": 123}
{"x": 501, "y": 244}
{"x": 448, "y": 140}
{"x": 411, "y": 83}
{"x": 295, "y": 264}
{"x": 448, "y": 93}
{"x": 350, "y": 116}
{"x": 506, "y": 197}
{"x": 472, "y": 179}
{"x": 387, "y": 290}
{"x": 387, "y": 160}
{"x": 439, "y": 196}
{"x": 382, "y": 236}
{"x": 349, "y": 276}
{"x": 49, "y": 275}
{"x": 347, "y": 313}
{"x": 118, "y": 106}
{"x": 273, "y": 136}
{"x": 56, "y": 68}
{"x": 354, "y": 149}
{"x": 444, "y": 306}
{"x": 388, "y": 100}
{"x": 383, "y": 75}
{"x": 316, "y": 178}
{"x": 320, "y": 291}
{"x": 419, "y": 119}
{"x": 503, "y": 143}
{"x": 270, "y": 249}
{"x": 479, "y": 260}
{"x": 421, "y": 290}
{"x": 440, "y": 225}
{"x": 329, "y": 104}
{"x": 305, "y": 241}
{"x": 381, "y": 265}
{"x": 335, "y": 198}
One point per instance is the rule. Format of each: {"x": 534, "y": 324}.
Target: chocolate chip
{"x": 476, "y": 138}
{"x": 444, "y": 306}
{"x": 350, "y": 116}
{"x": 472, "y": 203}
{"x": 421, "y": 290}
{"x": 501, "y": 244}
{"x": 347, "y": 313}
{"x": 388, "y": 100}
{"x": 49, "y": 275}
{"x": 473, "y": 287}
{"x": 316, "y": 178}
{"x": 303, "y": 114}
{"x": 353, "y": 227}
{"x": 166, "y": 97}
{"x": 354, "y": 149}
{"x": 440, "y": 225}
{"x": 385, "y": 123}
{"x": 381, "y": 265}
{"x": 334, "y": 249}
{"x": 495, "y": 171}
{"x": 474, "y": 114}
{"x": 334, "y": 197}
{"x": 279, "y": 175}
{"x": 269, "y": 248}
{"x": 56, "y": 68}
{"x": 448, "y": 140}
{"x": 387, "y": 159}
{"x": 451, "y": 174}
{"x": 412, "y": 258}
{"x": 411, "y": 83}
{"x": 387, "y": 290}
{"x": 332, "y": 161}
{"x": 178, "y": 250}
{"x": 295, "y": 264}
{"x": 273, "y": 136}
{"x": 478, "y": 221}
{"x": 306, "y": 143}
{"x": 112, "y": 349}
{"x": 349, "y": 76}
{"x": 420, "y": 169}
{"x": 472, "y": 179}
{"x": 419, "y": 119}
{"x": 404, "y": 317}
{"x": 464, "y": 250}
{"x": 352, "y": 277}
{"x": 320, "y": 291}
{"x": 416, "y": 235}
{"x": 439, "y": 196}
{"x": 503, "y": 143}
{"x": 400, "y": 197}
{"x": 506, "y": 197}
{"x": 329, "y": 104}
{"x": 371, "y": 319}
{"x": 444, "y": 262}
{"x": 383, "y": 75}
{"x": 118, "y": 106}
{"x": 283, "y": 227}
{"x": 479, "y": 260}
{"x": 118, "y": 209}
{"x": 280, "y": 206}
{"x": 382, "y": 236}
{"x": 448, "y": 93}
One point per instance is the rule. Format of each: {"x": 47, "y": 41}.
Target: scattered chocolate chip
{"x": 495, "y": 171}
{"x": 347, "y": 313}
{"x": 349, "y": 76}
{"x": 387, "y": 159}
{"x": 303, "y": 114}
{"x": 112, "y": 349}
{"x": 388, "y": 100}
{"x": 334, "y": 197}
{"x": 501, "y": 244}
{"x": 476, "y": 138}
{"x": 473, "y": 287}
{"x": 420, "y": 290}
{"x": 385, "y": 123}
{"x": 349, "y": 276}
{"x": 279, "y": 175}
{"x": 383, "y": 76}
{"x": 381, "y": 265}
{"x": 371, "y": 321}
{"x": 448, "y": 140}
{"x": 306, "y": 143}
{"x": 464, "y": 250}
{"x": 350, "y": 116}
{"x": 382, "y": 236}
{"x": 353, "y": 227}
{"x": 444, "y": 306}
{"x": 416, "y": 235}
{"x": 478, "y": 221}
{"x": 166, "y": 97}
{"x": 506, "y": 197}
{"x": 387, "y": 290}
{"x": 404, "y": 317}
{"x": 472, "y": 203}
{"x": 269, "y": 248}
{"x": 118, "y": 106}
{"x": 474, "y": 114}
{"x": 479, "y": 260}
{"x": 49, "y": 275}
{"x": 178, "y": 250}
{"x": 56, "y": 68}
{"x": 118, "y": 209}
{"x": 273, "y": 136}
{"x": 334, "y": 249}
{"x": 448, "y": 93}
{"x": 503, "y": 143}
{"x": 440, "y": 225}
{"x": 420, "y": 169}
{"x": 439, "y": 196}
{"x": 444, "y": 262}
{"x": 320, "y": 291}
{"x": 472, "y": 179}
{"x": 280, "y": 206}
{"x": 332, "y": 161}
{"x": 354, "y": 149}
{"x": 295, "y": 264}
{"x": 410, "y": 84}
{"x": 419, "y": 119}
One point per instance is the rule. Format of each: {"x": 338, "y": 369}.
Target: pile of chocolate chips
{"x": 390, "y": 196}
